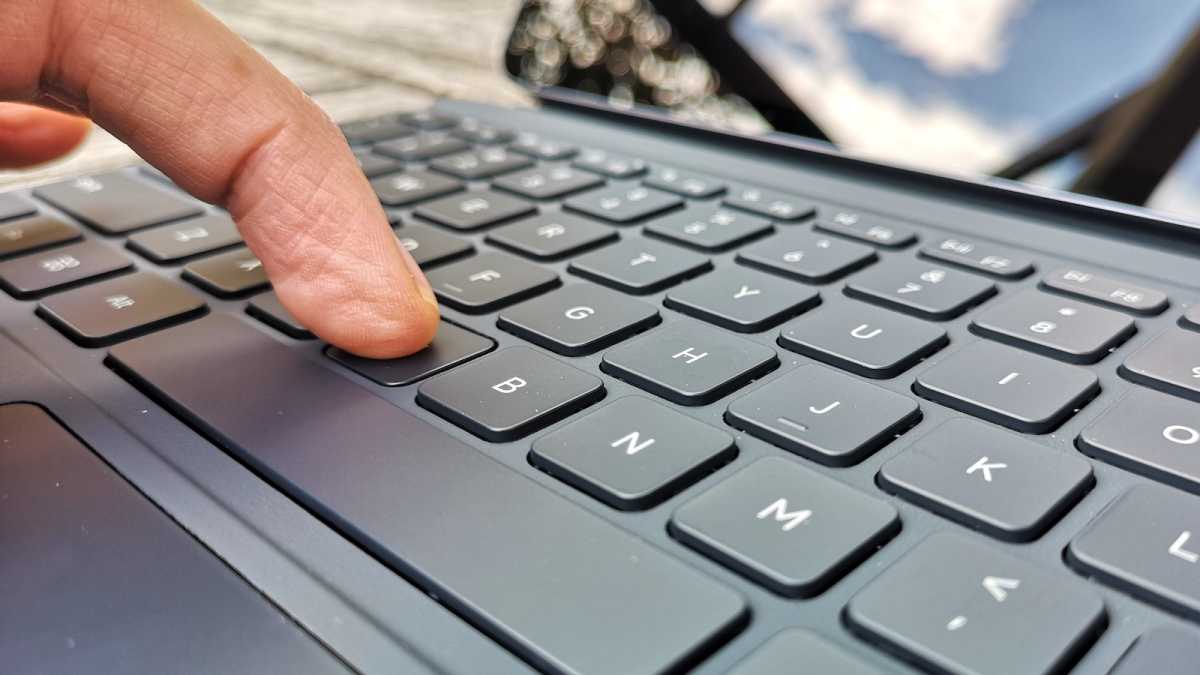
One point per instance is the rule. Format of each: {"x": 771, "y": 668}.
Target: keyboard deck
{"x": 678, "y": 417}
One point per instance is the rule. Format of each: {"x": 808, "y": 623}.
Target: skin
{"x": 194, "y": 100}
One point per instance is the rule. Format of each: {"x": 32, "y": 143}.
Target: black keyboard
{"x": 677, "y": 417}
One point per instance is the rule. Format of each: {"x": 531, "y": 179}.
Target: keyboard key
{"x": 1160, "y": 650}
{"x": 429, "y": 120}
{"x": 578, "y": 319}
{"x": 552, "y": 236}
{"x": 430, "y": 246}
{"x": 1112, "y": 292}
{"x": 685, "y": 183}
{"x": 186, "y": 238}
{"x": 267, "y": 308}
{"x": 489, "y": 281}
{"x": 793, "y": 646}
{"x": 921, "y": 289}
{"x": 983, "y": 257}
{"x": 486, "y": 134}
{"x": 402, "y": 189}
{"x": 867, "y": 227}
{"x": 12, "y": 206}
{"x": 107, "y": 312}
{"x": 785, "y": 526}
{"x": 473, "y": 210}
{"x": 18, "y": 237}
{"x": 422, "y": 146}
{"x": 773, "y": 205}
{"x": 709, "y": 228}
{"x": 115, "y": 203}
{"x": 633, "y": 453}
{"x": 541, "y": 148}
{"x": 1152, "y": 434}
{"x": 1064, "y": 329}
{"x": 689, "y": 363}
{"x": 373, "y": 165}
{"x": 623, "y": 204}
{"x": 1146, "y": 543}
{"x": 639, "y": 266}
{"x": 510, "y": 394}
{"x": 960, "y": 606}
{"x": 451, "y": 347}
{"x": 806, "y": 256}
{"x": 364, "y": 132}
{"x": 862, "y": 339}
{"x": 1008, "y": 387}
{"x": 1169, "y": 363}
{"x": 741, "y": 299}
{"x": 823, "y": 415}
{"x": 547, "y": 182}
{"x": 228, "y": 275}
{"x": 481, "y": 164}
{"x": 988, "y": 479}
{"x": 608, "y": 164}
{"x": 1191, "y": 318}
{"x": 441, "y": 487}
{"x": 33, "y": 275}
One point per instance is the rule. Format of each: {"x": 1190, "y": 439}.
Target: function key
{"x": 373, "y": 165}
{"x": 709, "y": 228}
{"x": 31, "y": 234}
{"x": 981, "y": 257}
{"x": 115, "y": 203}
{"x": 824, "y": 415}
{"x": 1160, "y": 650}
{"x": 773, "y": 205}
{"x": 407, "y": 188}
{"x": 958, "y": 605}
{"x": 1151, "y": 434}
{"x": 867, "y": 227}
{"x": 862, "y": 339}
{"x": 1054, "y": 326}
{"x": 742, "y": 299}
{"x": 12, "y": 206}
{"x": 473, "y": 210}
{"x": 920, "y": 288}
{"x": 781, "y": 653}
{"x": 422, "y": 146}
{"x": 486, "y": 134}
{"x": 118, "y": 309}
{"x": 623, "y": 204}
{"x": 489, "y": 281}
{"x": 480, "y": 164}
{"x": 541, "y": 148}
{"x": 430, "y": 246}
{"x": 807, "y": 256}
{"x": 1147, "y": 543}
{"x": 1169, "y": 362}
{"x": 988, "y": 479}
{"x": 1111, "y": 292}
{"x": 510, "y": 393}
{"x": 364, "y": 132}
{"x": 552, "y": 236}
{"x": 633, "y": 453}
{"x": 267, "y": 308}
{"x": 639, "y": 266}
{"x": 578, "y": 319}
{"x": 689, "y": 363}
{"x": 186, "y": 238}
{"x": 429, "y": 120}
{"x": 451, "y": 347}
{"x": 685, "y": 183}
{"x": 1008, "y": 387}
{"x": 33, "y": 275}
{"x": 548, "y": 182}
{"x": 785, "y": 526}
{"x": 609, "y": 164}
{"x": 228, "y": 275}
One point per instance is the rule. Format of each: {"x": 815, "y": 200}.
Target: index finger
{"x": 200, "y": 104}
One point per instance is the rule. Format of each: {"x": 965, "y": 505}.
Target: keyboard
{"x": 697, "y": 404}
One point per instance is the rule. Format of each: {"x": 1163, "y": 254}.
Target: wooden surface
{"x": 357, "y": 58}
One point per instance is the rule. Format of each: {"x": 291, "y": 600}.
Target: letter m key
{"x": 790, "y": 519}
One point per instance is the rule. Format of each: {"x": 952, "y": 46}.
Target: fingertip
{"x": 30, "y": 135}
{"x": 388, "y": 329}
